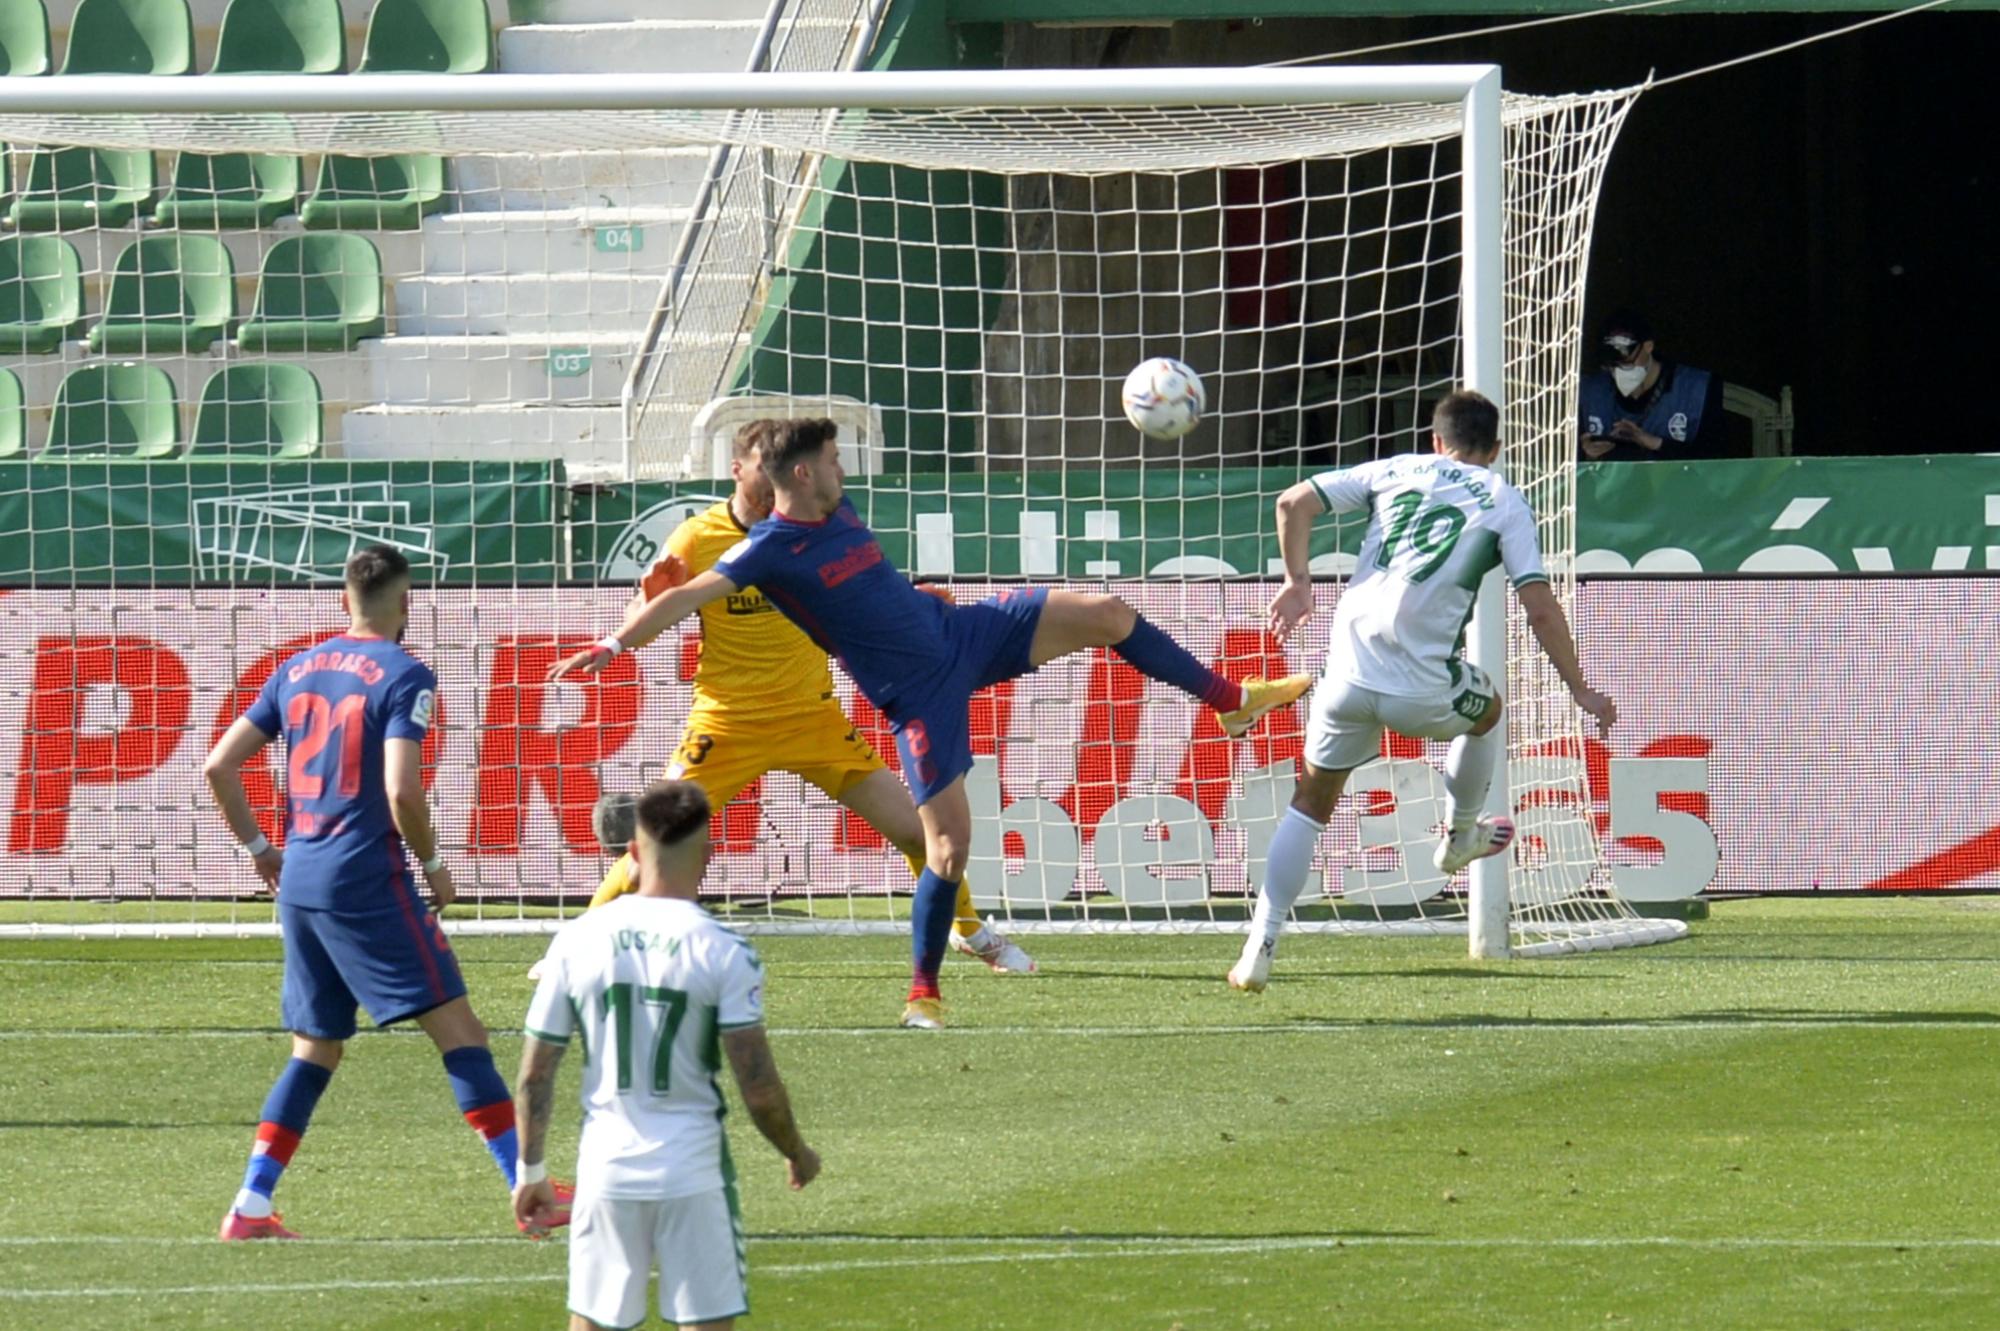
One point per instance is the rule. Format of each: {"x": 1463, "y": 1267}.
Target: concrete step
{"x": 594, "y": 240}
{"x": 623, "y": 11}
{"x": 613, "y": 182}
{"x": 590, "y": 437}
{"x": 647, "y": 46}
{"x": 524, "y": 305}
{"x": 469, "y": 371}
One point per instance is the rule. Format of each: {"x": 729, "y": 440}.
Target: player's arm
{"x": 1551, "y": 628}
{"x": 403, "y": 772}
{"x": 224, "y": 770}
{"x": 646, "y": 623}
{"x": 534, "y": 1106}
{"x": 1298, "y": 507}
{"x": 765, "y": 1097}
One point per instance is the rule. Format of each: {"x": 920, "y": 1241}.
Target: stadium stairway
{"x": 515, "y": 340}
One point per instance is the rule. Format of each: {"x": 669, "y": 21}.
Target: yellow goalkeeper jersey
{"x": 754, "y": 661}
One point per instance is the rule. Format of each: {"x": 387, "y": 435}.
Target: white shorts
{"x": 1347, "y": 719}
{"x": 697, "y": 1243}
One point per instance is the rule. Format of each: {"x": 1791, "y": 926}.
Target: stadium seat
{"x": 428, "y": 37}
{"x": 269, "y": 410}
{"x": 317, "y": 293}
{"x": 242, "y": 190}
{"x": 124, "y": 410}
{"x": 76, "y": 189}
{"x": 130, "y": 37}
{"x": 24, "y": 38}
{"x": 375, "y": 193}
{"x": 13, "y": 416}
{"x": 174, "y": 292}
{"x": 281, "y": 37}
{"x": 41, "y": 293}
{"x": 230, "y": 191}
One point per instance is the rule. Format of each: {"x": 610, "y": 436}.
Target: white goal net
{"x": 509, "y": 324}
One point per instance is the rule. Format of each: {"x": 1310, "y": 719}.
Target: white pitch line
{"x": 1500, "y": 1025}
{"x": 1066, "y": 1250}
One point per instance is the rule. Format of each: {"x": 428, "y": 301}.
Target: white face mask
{"x": 1629, "y": 377}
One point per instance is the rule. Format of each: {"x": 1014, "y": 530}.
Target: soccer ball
{"x": 1164, "y": 399}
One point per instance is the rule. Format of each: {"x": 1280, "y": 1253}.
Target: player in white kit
{"x": 653, "y": 992}
{"x": 1437, "y": 525}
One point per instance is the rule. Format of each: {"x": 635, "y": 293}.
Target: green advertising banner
{"x": 1790, "y": 515}
{"x": 276, "y": 523}
{"x": 467, "y": 522}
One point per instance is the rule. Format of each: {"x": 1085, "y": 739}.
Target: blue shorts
{"x": 932, "y": 723}
{"x": 395, "y": 962}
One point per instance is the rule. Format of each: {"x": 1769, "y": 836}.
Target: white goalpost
{"x": 526, "y": 362}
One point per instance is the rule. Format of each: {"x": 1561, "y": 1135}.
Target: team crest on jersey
{"x": 1678, "y": 426}
{"x": 422, "y": 709}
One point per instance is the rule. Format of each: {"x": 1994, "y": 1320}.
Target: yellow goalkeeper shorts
{"x": 722, "y": 755}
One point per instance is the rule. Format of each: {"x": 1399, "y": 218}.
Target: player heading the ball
{"x": 354, "y": 711}
{"x": 917, "y": 658}
{"x": 1437, "y": 525}
{"x": 653, "y": 993}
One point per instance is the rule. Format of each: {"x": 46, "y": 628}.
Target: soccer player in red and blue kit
{"x": 354, "y": 711}
{"x": 916, "y": 657}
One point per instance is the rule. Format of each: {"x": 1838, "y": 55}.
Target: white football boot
{"x": 1252, "y": 970}
{"x": 1488, "y": 836}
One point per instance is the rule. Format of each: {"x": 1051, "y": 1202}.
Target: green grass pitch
{"x": 1785, "y": 1122}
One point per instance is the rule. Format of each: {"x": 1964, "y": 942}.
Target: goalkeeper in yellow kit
{"x": 763, "y": 701}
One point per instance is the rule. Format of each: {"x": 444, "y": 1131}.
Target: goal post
{"x": 962, "y": 265}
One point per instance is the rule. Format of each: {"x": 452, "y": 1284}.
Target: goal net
{"x": 509, "y": 325}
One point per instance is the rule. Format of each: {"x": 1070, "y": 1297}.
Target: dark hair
{"x": 750, "y": 437}
{"x": 672, "y": 811}
{"x": 373, "y": 571}
{"x": 1467, "y": 422}
{"x": 614, "y": 819}
{"x": 790, "y": 442}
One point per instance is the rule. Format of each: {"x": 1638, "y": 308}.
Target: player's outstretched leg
{"x": 478, "y": 1087}
{"x": 287, "y": 1112}
{"x": 1468, "y": 776}
{"x": 1074, "y": 622}
{"x": 1287, "y": 865}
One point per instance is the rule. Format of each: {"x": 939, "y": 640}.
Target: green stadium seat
{"x": 130, "y": 37}
{"x": 281, "y": 37}
{"x": 124, "y": 410}
{"x": 13, "y": 416}
{"x": 77, "y": 189}
{"x": 375, "y": 193}
{"x": 169, "y": 293}
{"x": 231, "y": 191}
{"x": 269, "y": 410}
{"x": 41, "y": 294}
{"x": 428, "y": 37}
{"x": 24, "y": 38}
{"x": 316, "y": 293}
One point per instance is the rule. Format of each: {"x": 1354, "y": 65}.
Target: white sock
{"x": 980, "y": 939}
{"x": 254, "y": 1205}
{"x": 1468, "y": 775}
{"x": 1287, "y": 864}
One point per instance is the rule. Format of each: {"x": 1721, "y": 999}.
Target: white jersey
{"x": 644, "y": 986}
{"x": 1436, "y": 526}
